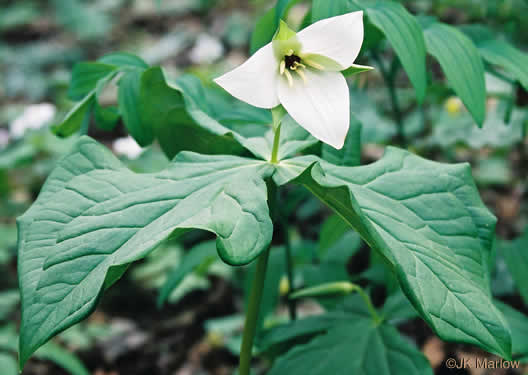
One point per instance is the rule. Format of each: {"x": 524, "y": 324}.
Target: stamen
{"x": 303, "y": 76}
{"x": 289, "y": 77}
{"x": 282, "y": 67}
{"x": 298, "y": 64}
{"x": 313, "y": 64}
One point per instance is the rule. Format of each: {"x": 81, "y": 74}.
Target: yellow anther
{"x": 282, "y": 67}
{"x": 303, "y": 76}
{"x": 313, "y": 64}
{"x": 289, "y": 77}
{"x": 296, "y": 63}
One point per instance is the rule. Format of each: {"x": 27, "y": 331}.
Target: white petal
{"x": 255, "y": 81}
{"x": 321, "y": 105}
{"x": 338, "y": 38}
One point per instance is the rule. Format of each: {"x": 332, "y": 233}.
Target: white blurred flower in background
{"x": 206, "y": 50}
{"x": 35, "y": 116}
{"x": 127, "y": 147}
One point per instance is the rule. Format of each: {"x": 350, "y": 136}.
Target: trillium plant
{"x": 279, "y": 127}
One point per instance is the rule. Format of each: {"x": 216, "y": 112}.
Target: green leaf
{"x": 264, "y": 31}
{"x": 128, "y": 99}
{"x": 178, "y": 121}
{"x": 519, "y": 328}
{"x": 63, "y": 358}
{"x": 283, "y": 336}
{"x": 75, "y": 118}
{"x": 268, "y": 23}
{"x": 322, "y": 9}
{"x": 350, "y": 153}
{"x": 406, "y": 37}
{"x": 106, "y": 118}
{"x": 428, "y": 221}
{"x": 85, "y": 77}
{"x": 462, "y": 65}
{"x": 94, "y": 215}
{"x": 354, "y": 345}
{"x": 8, "y": 364}
{"x": 500, "y": 52}
{"x": 293, "y": 139}
{"x": 332, "y": 231}
{"x": 195, "y": 258}
{"x": 516, "y": 257}
{"x": 124, "y": 60}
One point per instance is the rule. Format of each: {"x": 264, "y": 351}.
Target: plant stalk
{"x": 275, "y": 150}
{"x": 250, "y": 325}
{"x": 257, "y": 287}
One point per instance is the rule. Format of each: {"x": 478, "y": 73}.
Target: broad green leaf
{"x": 8, "y": 364}
{"x": 178, "y": 122}
{"x": 461, "y": 62}
{"x": 264, "y": 30}
{"x": 428, "y": 221}
{"x": 128, "y": 99}
{"x": 350, "y": 154}
{"x": 85, "y": 76}
{"x": 196, "y": 257}
{"x": 94, "y": 217}
{"x": 354, "y": 345}
{"x": 75, "y": 118}
{"x": 406, "y": 37}
{"x": 124, "y": 60}
{"x": 515, "y": 255}
{"x": 519, "y": 328}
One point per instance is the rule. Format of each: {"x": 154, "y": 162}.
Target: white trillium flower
{"x": 301, "y": 71}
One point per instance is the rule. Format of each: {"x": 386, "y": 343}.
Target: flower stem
{"x": 255, "y": 296}
{"x": 250, "y": 325}
{"x": 275, "y": 150}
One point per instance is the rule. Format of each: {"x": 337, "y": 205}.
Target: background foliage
{"x": 449, "y": 84}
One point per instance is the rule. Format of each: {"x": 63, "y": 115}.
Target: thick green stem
{"x": 255, "y": 296}
{"x": 250, "y": 325}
